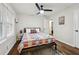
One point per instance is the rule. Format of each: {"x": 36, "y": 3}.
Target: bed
{"x": 34, "y": 37}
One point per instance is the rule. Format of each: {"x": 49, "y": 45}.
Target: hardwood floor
{"x": 67, "y": 49}
{"x": 14, "y": 51}
{"x": 62, "y": 47}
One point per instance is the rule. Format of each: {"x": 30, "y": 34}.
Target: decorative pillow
{"x": 33, "y": 31}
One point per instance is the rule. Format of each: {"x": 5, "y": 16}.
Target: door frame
{"x": 50, "y": 22}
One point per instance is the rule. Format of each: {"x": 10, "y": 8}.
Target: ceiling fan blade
{"x": 38, "y": 13}
{"x": 48, "y": 10}
{"x": 37, "y": 6}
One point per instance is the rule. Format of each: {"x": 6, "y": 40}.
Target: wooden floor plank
{"x": 67, "y": 49}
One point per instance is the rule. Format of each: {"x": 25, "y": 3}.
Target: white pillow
{"x": 27, "y": 30}
{"x": 37, "y": 30}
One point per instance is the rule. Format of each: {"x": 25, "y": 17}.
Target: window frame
{"x": 1, "y": 22}
{"x": 9, "y": 23}
{"x": 4, "y": 20}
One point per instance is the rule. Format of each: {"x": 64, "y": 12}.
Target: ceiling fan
{"x": 41, "y": 9}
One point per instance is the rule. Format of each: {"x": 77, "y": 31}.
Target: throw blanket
{"x": 35, "y": 39}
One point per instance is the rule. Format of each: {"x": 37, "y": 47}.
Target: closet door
{"x": 77, "y": 32}
{"x": 76, "y": 28}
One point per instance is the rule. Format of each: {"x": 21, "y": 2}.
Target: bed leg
{"x": 55, "y": 46}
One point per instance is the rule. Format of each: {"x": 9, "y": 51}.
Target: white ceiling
{"x": 31, "y": 9}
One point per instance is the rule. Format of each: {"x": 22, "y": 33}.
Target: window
{"x": 4, "y": 18}
{"x": 6, "y": 22}
{"x": 0, "y": 23}
{"x": 9, "y": 23}
{"x": 0, "y": 26}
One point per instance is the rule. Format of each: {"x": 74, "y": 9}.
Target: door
{"x": 51, "y": 27}
{"x": 76, "y": 28}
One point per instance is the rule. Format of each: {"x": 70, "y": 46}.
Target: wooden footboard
{"x": 29, "y": 50}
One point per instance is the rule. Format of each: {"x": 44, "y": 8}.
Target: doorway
{"x": 51, "y": 27}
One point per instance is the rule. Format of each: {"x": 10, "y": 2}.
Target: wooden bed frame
{"x": 30, "y": 49}
{"x": 52, "y": 45}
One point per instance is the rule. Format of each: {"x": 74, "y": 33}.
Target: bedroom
{"x": 14, "y": 17}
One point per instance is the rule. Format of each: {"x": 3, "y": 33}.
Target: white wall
{"x": 64, "y": 33}
{"x": 29, "y": 21}
{"x": 7, "y": 42}
{"x": 46, "y": 25}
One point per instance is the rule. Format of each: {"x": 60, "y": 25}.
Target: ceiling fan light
{"x": 41, "y": 11}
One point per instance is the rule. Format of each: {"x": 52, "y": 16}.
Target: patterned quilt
{"x": 35, "y": 39}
